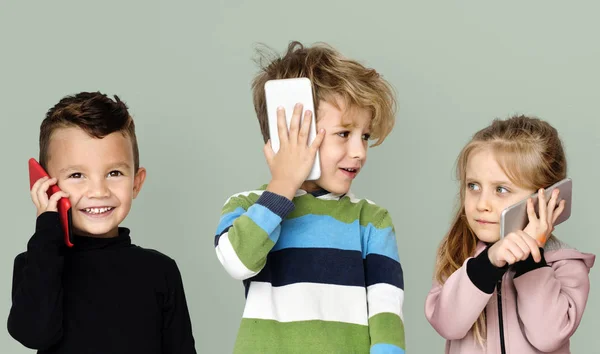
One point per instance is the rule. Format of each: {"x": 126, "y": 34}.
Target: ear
{"x": 138, "y": 181}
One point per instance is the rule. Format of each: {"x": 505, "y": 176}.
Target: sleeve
{"x": 551, "y": 300}
{"x": 385, "y": 288}
{"x": 177, "y": 336}
{"x": 36, "y": 315}
{"x": 453, "y": 308}
{"x": 245, "y": 236}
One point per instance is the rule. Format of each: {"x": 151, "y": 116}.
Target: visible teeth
{"x": 350, "y": 169}
{"x": 97, "y": 210}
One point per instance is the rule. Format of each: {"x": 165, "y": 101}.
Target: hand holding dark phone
{"x": 36, "y": 171}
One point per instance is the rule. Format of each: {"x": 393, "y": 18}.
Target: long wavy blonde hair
{"x": 531, "y": 154}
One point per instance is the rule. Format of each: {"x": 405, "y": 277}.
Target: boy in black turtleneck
{"x": 104, "y": 295}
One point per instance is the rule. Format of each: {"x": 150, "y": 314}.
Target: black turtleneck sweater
{"x": 103, "y": 296}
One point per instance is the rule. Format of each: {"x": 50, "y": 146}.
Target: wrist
{"x": 283, "y": 188}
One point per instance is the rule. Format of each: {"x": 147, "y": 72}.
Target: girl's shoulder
{"x": 558, "y": 250}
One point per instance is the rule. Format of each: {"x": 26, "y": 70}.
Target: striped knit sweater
{"x": 321, "y": 273}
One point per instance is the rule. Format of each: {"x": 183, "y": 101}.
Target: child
{"x": 320, "y": 266}
{"x": 103, "y": 295}
{"x": 522, "y": 294}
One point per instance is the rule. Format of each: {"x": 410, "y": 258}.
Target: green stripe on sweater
{"x": 387, "y": 328}
{"x": 253, "y": 246}
{"x": 343, "y": 210}
{"x": 258, "y": 336}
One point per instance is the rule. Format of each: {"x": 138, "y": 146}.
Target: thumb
{"x": 268, "y": 150}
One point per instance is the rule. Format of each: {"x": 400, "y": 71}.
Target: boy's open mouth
{"x": 97, "y": 211}
{"x": 349, "y": 172}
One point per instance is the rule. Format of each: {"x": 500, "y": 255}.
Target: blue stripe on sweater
{"x": 227, "y": 219}
{"x": 383, "y": 348}
{"x": 324, "y": 231}
{"x": 259, "y": 214}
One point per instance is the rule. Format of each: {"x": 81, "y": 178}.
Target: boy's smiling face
{"x": 98, "y": 175}
{"x": 343, "y": 152}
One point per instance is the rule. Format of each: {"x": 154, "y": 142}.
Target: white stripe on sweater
{"x": 307, "y": 301}
{"x": 384, "y": 297}
{"x": 230, "y": 260}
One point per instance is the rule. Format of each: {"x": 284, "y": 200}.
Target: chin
{"x": 487, "y": 237}
{"x": 98, "y": 231}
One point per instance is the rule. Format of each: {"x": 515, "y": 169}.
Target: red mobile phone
{"x": 64, "y": 205}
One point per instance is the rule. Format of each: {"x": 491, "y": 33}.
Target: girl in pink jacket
{"x": 524, "y": 293}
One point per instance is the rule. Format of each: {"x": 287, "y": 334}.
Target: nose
{"x": 98, "y": 189}
{"x": 357, "y": 148}
{"x": 483, "y": 202}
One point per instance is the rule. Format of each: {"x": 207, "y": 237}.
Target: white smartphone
{"x": 286, "y": 93}
{"x": 515, "y": 217}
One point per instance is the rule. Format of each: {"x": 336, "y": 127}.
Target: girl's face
{"x": 488, "y": 192}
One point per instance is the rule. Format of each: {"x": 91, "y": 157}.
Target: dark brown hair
{"x": 332, "y": 77}
{"x": 93, "y": 112}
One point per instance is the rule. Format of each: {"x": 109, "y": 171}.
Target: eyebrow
{"x": 500, "y": 182}
{"x": 80, "y": 167}
{"x": 120, "y": 164}
{"x": 70, "y": 168}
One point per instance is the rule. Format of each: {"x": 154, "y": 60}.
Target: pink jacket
{"x": 540, "y": 308}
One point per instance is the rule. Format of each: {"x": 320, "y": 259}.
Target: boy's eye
{"x": 115, "y": 173}
{"x": 366, "y": 136}
{"x": 75, "y": 175}
{"x": 343, "y": 134}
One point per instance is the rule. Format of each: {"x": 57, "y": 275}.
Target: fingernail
{"x": 280, "y": 108}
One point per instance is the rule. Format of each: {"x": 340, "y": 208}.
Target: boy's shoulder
{"x": 153, "y": 256}
{"x": 370, "y": 211}
{"x": 243, "y": 199}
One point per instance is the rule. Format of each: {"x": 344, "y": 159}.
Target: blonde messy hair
{"x": 531, "y": 154}
{"x": 333, "y": 77}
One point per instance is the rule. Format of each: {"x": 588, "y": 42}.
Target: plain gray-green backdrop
{"x": 185, "y": 67}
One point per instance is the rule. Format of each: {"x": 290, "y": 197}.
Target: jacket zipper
{"x": 501, "y": 322}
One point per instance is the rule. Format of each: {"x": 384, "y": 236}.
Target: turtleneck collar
{"x": 85, "y": 243}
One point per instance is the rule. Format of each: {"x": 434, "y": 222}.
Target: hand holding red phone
{"x": 46, "y": 196}
{"x": 39, "y": 195}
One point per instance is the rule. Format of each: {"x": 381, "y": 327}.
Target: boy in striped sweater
{"x": 320, "y": 266}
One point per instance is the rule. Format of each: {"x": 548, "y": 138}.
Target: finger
{"x": 268, "y": 151}
{"x": 531, "y": 210}
{"x": 532, "y": 245}
{"x": 53, "y": 201}
{"x": 516, "y": 250}
{"x": 558, "y": 211}
{"x": 520, "y": 242}
{"x": 295, "y": 123}
{"x": 316, "y": 144}
{"x": 34, "y": 190}
{"x": 542, "y": 206}
{"x": 282, "y": 129}
{"x": 508, "y": 256}
{"x": 305, "y": 128}
{"x": 552, "y": 206}
{"x": 42, "y": 192}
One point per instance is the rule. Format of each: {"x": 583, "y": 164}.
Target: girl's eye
{"x": 75, "y": 175}
{"x": 502, "y": 190}
{"x": 472, "y": 186}
{"x": 343, "y": 134}
{"x": 115, "y": 173}
{"x": 366, "y": 136}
